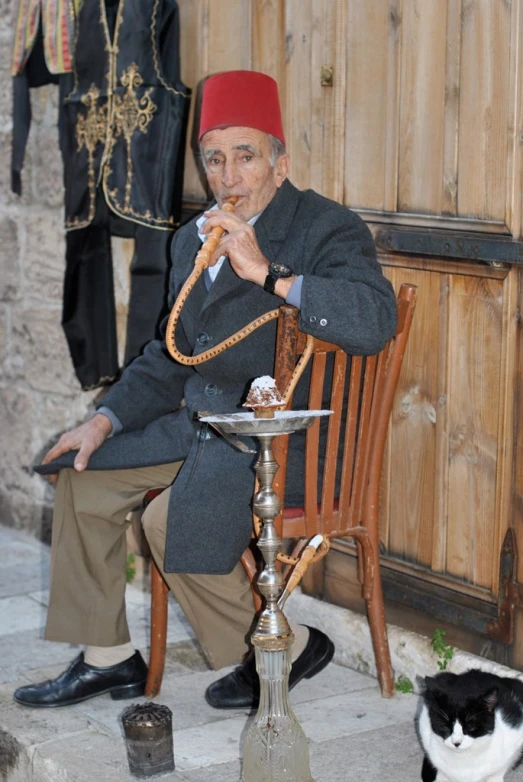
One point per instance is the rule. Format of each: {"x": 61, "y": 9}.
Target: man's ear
{"x": 281, "y": 169}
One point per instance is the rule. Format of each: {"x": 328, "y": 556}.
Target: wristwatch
{"x": 277, "y": 271}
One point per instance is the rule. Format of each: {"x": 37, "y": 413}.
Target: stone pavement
{"x": 354, "y": 734}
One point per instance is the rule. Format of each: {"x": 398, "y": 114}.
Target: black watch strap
{"x": 269, "y": 283}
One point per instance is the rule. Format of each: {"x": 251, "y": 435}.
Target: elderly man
{"x": 280, "y": 244}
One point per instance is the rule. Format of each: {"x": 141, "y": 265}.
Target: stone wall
{"x": 39, "y": 394}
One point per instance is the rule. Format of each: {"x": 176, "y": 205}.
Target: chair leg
{"x": 159, "y": 601}
{"x": 370, "y": 570}
{"x": 378, "y": 631}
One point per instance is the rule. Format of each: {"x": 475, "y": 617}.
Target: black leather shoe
{"x": 241, "y": 688}
{"x": 81, "y": 681}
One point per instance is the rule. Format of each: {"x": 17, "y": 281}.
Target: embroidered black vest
{"x": 125, "y": 119}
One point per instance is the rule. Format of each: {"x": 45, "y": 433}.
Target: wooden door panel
{"x": 422, "y": 106}
{"x": 408, "y": 518}
{"x": 371, "y": 105}
{"x": 450, "y": 441}
{"x": 485, "y": 110}
{"x": 474, "y": 379}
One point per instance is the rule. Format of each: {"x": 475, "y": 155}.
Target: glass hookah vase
{"x": 276, "y": 748}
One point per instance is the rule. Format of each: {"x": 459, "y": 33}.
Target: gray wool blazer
{"x": 345, "y": 300}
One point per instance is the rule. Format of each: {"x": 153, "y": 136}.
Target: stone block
{"x": 39, "y": 356}
{"x": 34, "y": 421}
{"x": 10, "y": 277}
{"x": 92, "y": 756}
{"x": 12, "y": 576}
{"x": 43, "y": 727}
{"x": 183, "y": 657}
{"x": 7, "y": 16}
{"x": 18, "y": 548}
{"x": 48, "y": 174}
{"x": 6, "y": 93}
{"x": 225, "y": 772}
{"x": 44, "y": 105}
{"x": 22, "y": 511}
{"x": 6, "y": 194}
{"x": 16, "y": 414}
{"x": 4, "y": 334}
{"x": 389, "y": 754}
{"x": 365, "y": 710}
{"x": 43, "y": 260}
{"x": 33, "y": 424}
{"x": 19, "y": 613}
{"x": 11, "y": 756}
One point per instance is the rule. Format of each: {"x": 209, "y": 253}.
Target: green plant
{"x": 443, "y": 651}
{"x": 404, "y": 684}
{"x": 130, "y": 570}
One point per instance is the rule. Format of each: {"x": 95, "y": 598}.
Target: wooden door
{"x": 424, "y": 118}
{"x": 420, "y": 127}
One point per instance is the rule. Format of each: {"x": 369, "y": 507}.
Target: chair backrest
{"x": 361, "y": 397}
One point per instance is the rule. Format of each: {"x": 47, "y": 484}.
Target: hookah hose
{"x": 201, "y": 263}
{"x": 315, "y": 550}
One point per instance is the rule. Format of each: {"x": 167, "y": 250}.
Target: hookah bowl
{"x": 276, "y": 748}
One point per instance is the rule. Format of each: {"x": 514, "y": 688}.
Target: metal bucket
{"x": 149, "y": 739}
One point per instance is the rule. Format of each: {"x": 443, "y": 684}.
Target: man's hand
{"x": 85, "y": 438}
{"x": 239, "y": 244}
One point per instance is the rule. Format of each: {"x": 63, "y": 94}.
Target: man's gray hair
{"x": 277, "y": 149}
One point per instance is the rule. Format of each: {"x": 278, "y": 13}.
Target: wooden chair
{"x": 361, "y": 396}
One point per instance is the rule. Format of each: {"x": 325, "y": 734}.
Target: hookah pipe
{"x": 201, "y": 262}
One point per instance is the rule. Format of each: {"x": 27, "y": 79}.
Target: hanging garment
{"x": 126, "y": 116}
{"x": 43, "y": 39}
{"x": 55, "y": 19}
{"x": 123, "y": 115}
{"x": 123, "y": 145}
{"x": 89, "y": 312}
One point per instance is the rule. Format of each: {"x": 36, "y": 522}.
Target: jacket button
{"x": 313, "y": 319}
{"x": 203, "y": 338}
{"x": 210, "y": 389}
{"x": 323, "y": 322}
{"x": 203, "y": 434}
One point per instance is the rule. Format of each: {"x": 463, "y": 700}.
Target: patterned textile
{"x": 58, "y": 22}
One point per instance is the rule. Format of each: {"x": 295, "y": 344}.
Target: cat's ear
{"x": 491, "y": 698}
{"x": 421, "y": 684}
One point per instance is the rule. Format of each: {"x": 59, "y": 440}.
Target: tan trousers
{"x": 87, "y": 592}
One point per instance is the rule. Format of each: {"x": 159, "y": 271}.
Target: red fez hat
{"x": 243, "y": 98}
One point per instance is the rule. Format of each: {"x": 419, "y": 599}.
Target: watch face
{"x": 280, "y": 270}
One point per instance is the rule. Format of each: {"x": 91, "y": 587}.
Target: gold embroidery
{"x": 90, "y": 130}
{"x": 91, "y": 127}
{"x": 132, "y": 114}
{"x": 137, "y": 217}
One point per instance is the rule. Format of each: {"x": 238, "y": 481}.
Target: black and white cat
{"x": 471, "y": 727}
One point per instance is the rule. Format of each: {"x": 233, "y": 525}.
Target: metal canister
{"x": 149, "y": 739}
